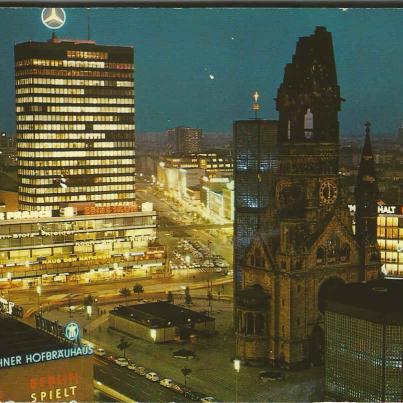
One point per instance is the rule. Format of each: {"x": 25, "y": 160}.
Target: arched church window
{"x": 250, "y": 323}
{"x": 259, "y": 326}
{"x": 320, "y": 255}
{"x": 308, "y": 124}
{"x": 258, "y": 258}
{"x": 374, "y": 256}
{"x": 252, "y": 259}
{"x": 333, "y": 248}
{"x": 242, "y": 323}
{"x": 345, "y": 253}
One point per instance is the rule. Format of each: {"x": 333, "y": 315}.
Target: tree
{"x": 125, "y": 292}
{"x": 170, "y": 297}
{"x": 88, "y": 300}
{"x": 210, "y": 298}
{"x": 123, "y": 345}
{"x": 188, "y": 298}
{"x": 186, "y": 372}
{"x": 138, "y": 288}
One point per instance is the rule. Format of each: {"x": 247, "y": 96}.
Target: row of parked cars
{"x": 191, "y": 254}
{"x": 154, "y": 377}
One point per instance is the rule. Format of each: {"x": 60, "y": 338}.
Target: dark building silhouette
{"x": 254, "y": 162}
{"x": 366, "y": 214}
{"x": 306, "y": 245}
{"x": 364, "y": 342}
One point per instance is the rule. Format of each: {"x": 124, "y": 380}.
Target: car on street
{"x": 100, "y": 351}
{"x": 207, "y": 399}
{"x": 122, "y": 362}
{"x": 140, "y": 370}
{"x": 131, "y": 366}
{"x": 111, "y": 358}
{"x": 177, "y": 388}
{"x": 270, "y": 376}
{"x": 167, "y": 383}
{"x": 191, "y": 395}
{"x": 153, "y": 376}
{"x": 183, "y": 353}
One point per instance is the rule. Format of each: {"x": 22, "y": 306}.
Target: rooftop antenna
{"x": 88, "y": 24}
{"x": 255, "y": 104}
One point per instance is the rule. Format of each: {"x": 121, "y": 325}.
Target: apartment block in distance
{"x": 185, "y": 140}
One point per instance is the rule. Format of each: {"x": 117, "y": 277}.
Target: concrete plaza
{"x": 212, "y": 371}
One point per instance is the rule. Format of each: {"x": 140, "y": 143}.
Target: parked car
{"x": 100, "y": 351}
{"x": 271, "y": 375}
{"x": 167, "y": 383}
{"x": 131, "y": 366}
{"x": 183, "y": 353}
{"x": 191, "y": 395}
{"x": 207, "y": 399}
{"x": 153, "y": 376}
{"x": 122, "y": 362}
{"x": 111, "y": 358}
{"x": 140, "y": 370}
{"x": 177, "y": 388}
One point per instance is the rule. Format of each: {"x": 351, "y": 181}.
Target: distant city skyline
{"x": 199, "y": 67}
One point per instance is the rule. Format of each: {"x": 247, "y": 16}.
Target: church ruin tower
{"x": 366, "y": 213}
{"x": 307, "y": 246}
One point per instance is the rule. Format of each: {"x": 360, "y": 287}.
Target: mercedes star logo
{"x": 53, "y": 18}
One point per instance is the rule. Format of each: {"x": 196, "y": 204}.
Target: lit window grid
{"x": 81, "y": 74}
{"x": 74, "y": 118}
{"x": 114, "y": 199}
{"x": 58, "y": 171}
{"x": 390, "y": 236}
{"x": 49, "y": 180}
{"x": 110, "y": 91}
{"x": 57, "y": 81}
{"x": 68, "y": 164}
{"x": 354, "y": 358}
{"x": 76, "y": 144}
{"x": 87, "y": 236}
{"x": 73, "y": 63}
{"x": 72, "y": 82}
{"x": 72, "y": 100}
{"x": 75, "y": 109}
{"x": 77, "y": 153}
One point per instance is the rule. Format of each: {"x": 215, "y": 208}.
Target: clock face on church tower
{"x": 328, "y": 191}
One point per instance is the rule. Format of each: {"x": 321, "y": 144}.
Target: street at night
{"x": 201, "y": 204}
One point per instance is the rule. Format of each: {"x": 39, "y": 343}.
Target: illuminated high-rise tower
{"x": 75, "y": 124}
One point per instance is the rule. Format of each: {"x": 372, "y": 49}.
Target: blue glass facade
{"x": 254, "y": 162}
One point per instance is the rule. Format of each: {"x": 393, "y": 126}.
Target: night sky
{"x": 199, "y": 67}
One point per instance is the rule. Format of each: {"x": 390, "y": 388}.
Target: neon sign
{"x": 72, "y": 331}
{"x": 33, "y": 358}
{"x": 53, "y": 18}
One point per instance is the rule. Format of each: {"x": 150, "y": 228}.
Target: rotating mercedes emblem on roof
{"x": 53, "y": 18}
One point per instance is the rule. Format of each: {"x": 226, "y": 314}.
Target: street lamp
{"x": 237, "y": 367}
{"x": 39, "y": 292}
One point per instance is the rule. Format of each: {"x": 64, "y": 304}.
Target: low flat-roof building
{"x": 364, "y": 342}
{"x": 36, "y": 366}
{"x": 159, "y": 322}
{"x": 100, "y": 243}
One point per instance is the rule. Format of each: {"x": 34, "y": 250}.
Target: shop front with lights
{"x": 81, "y": 247}
{"x": 390, "y": 238}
